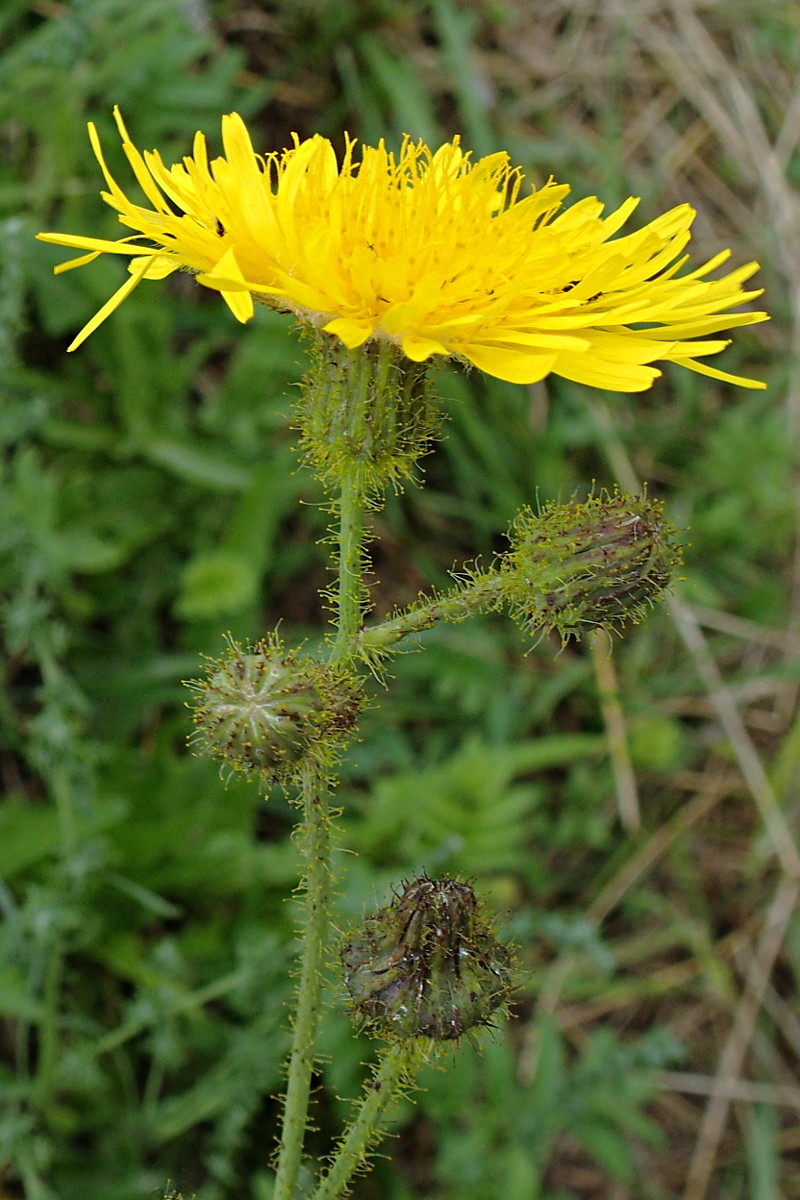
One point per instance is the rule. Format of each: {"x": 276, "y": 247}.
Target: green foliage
{"x": 744, "y": 528}
{"x": 592, "y": 1100}
{"x": 471, "y": 814}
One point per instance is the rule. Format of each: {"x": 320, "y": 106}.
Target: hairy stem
{"x": 316, "y": 841}
{"x": 397, "y": 1063}
{"x": 315, "y": 833}
{"x": 482, "y": 593}
{"x": 349, "y": 604}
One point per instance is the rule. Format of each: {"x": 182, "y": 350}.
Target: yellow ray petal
{"x": 725, "y": 376}
{"x": 100, "y": 245}
{"x": 419, "y": 349}
{"x": 513, "y": 366}
{"x": 349, "y": 331}
{"x": 157, "y": 266}
{"x": 602, "y": 373}
{"x": 226, "y": 277}
{"x": 240, "y": 304}
{"x": 119, "y": 295}
{"x": 72, "y": 263}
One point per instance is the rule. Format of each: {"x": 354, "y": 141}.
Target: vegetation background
{"x": 151, "y": 500}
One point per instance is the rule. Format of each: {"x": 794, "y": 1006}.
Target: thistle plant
{"x": 390, "y": 262}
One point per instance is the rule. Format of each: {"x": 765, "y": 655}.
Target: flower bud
{"x": 266, "y": 711}
{"x": 428, "y": 965}
{"x": 576, "y": 566}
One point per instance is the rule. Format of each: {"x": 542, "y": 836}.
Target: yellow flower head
{"x": 428, "y": 250}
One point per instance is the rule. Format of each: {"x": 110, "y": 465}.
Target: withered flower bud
{"x": 572, "y": 567}
{"x": 428, "y": 965}
{"x": 267, "y": 710}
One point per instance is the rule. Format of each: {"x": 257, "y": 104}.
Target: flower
{"x": 428, "y": 250}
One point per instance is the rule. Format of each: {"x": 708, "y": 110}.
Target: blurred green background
{"x": 151, "y": 499}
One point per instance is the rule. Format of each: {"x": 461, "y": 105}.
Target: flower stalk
{"x": 397, "y": 1065}
{"x": 480, "y": 592}
{"x": 315, "y": 837}
{"x": 315, "y": 831}
{"x": 350, "y": 557}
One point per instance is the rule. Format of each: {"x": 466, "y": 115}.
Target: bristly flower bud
{"x": 267, "y": 710}
{"x": 572, "y": 567}
{"x": 428, "y": 965}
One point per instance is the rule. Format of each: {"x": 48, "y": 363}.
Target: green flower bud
{"x": 576, "y": 566}
{"x": 428, "y": 965}
{"x": 266, "y": 710}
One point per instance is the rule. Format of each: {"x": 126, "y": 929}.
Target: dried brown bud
{"x": 428, "y": 965}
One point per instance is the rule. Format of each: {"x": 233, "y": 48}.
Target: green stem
{"x": 315, "y": 835}
{"x": 397, "y": 1063}
{"x": 349, "y": 605}
{"x": 315, "y": 832}
{"x": 482, "y": 593}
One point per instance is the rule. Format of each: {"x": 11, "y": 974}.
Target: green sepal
{"x": 366, "y": 412}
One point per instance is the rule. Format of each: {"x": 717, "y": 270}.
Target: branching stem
{"x": 481, "y": 593}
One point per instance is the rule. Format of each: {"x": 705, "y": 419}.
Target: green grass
{"x": 150, "y": 500}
